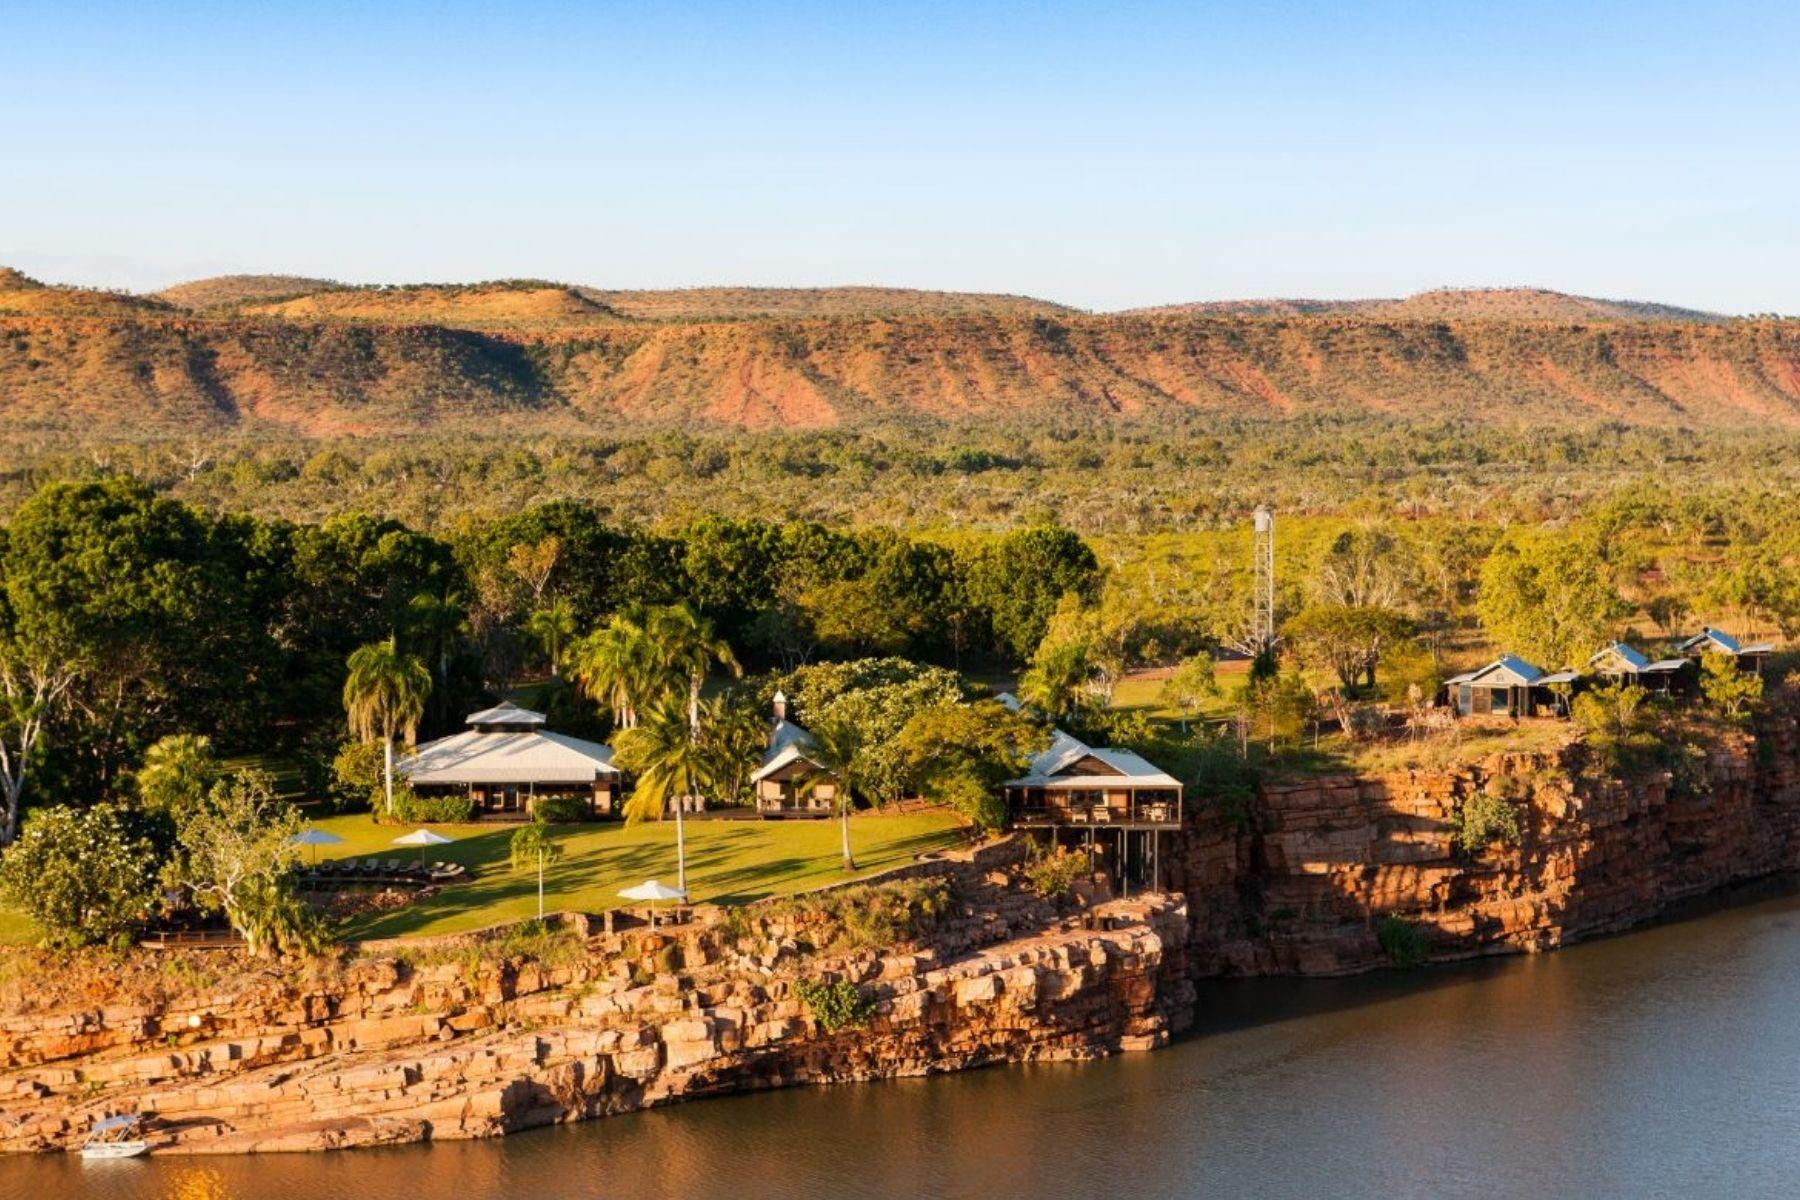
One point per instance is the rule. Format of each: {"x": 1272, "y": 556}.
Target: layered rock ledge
{"x": 448, "y": 1044}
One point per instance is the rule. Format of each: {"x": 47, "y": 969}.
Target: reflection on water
{"x": 1662, "y": 1063}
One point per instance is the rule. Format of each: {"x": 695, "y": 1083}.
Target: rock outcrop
{"x": 451, "y": 1044}
{"x": 1318, "y": 870}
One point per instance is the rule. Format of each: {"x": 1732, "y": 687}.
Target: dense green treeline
{"x": 1177, "y": 474}
{"x": 126, "y": 615}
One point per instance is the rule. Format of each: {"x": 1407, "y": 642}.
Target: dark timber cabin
{"x": 1102, "y": 798}
{"x": 1717, "y": 641}
{"x": 1507, "y": 687}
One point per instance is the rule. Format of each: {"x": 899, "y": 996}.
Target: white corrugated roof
{"x": 778, "y": 759}
{"x": 788, "y": 743}
{"x": 524, "y": 756}
{"x": 1065, "y": 751}
{"x": 505, "y": 713}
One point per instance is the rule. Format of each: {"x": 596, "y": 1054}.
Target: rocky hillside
{"x": 533, "y": 356}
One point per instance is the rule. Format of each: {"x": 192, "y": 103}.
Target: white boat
{"x": 115, "y": 1137}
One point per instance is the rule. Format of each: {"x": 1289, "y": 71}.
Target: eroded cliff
{"x": 444, "y": 1041}
{"x": 1341, "y": 874}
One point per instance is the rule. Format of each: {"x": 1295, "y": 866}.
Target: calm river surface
{"x": 1661, "y": 1063}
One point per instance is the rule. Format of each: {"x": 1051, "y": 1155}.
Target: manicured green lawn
{"x": 728, "y": 861}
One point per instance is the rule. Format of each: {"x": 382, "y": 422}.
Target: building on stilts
{"x": 1112, "y": 804}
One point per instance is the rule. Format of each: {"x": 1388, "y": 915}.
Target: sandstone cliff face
{"x": 386, "y": 1050}
{"x": 1325, "y": 863}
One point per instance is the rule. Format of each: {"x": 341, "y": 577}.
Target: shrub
{"x": 870, "y": 915}
{"x": 1404, "y": 942}
{"x": 410, "y": 808}
{"x": 84, "y": 875}
{"x": 1728, "y": 688}
{"x": 561, "y": 810}
{"x": 838, "y": 1004}
{"x": 1052, "y": 872}
{"x": 1486, "y": 817}
{"x": 356, "y": 777}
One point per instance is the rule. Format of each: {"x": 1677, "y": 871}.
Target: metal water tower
{"x": 1262, "y": 632}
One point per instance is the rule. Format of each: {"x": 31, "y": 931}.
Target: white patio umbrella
{"x": 423, "y": 838}
{"x": 653, "y": 891}
{"x": 315, "y": 838}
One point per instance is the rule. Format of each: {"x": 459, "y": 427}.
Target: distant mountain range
{"x": 280, "y": 353}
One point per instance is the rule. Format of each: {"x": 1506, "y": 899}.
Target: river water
{"x": 1664, "y": 1062}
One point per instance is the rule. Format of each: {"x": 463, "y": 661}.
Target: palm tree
{"x": 733, "y": 735}
{"x": 686, "y": 647}
{"x": 1056, "y": 682}
{"x": 669, "y": 763}
{"x": 838, "y": 749}
{"x": 533, "y": 846}
{"x": 614, "y": 666}
{"x": 384, "y": 695}
{"x": 552, "y": 625}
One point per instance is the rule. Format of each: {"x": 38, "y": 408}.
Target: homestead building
{"x": 506, "y": 761}
{"x": 789, "y": 783}
{"x": 1076, "y": 791}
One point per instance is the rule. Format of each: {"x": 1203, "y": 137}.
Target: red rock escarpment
{"x": 1319, "y": 866}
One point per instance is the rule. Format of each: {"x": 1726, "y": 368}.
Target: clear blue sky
{"x": 1105, "y": 155}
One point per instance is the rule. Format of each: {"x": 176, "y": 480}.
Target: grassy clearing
{"x": 728, "y": 862}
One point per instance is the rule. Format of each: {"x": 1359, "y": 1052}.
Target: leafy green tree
{"x": 34, "y": 682}
{"x": 878, "y": 696}
{"x": 1547, "y": 599}
{"x": 960, "y": 754}
{"x": 1365, "y": 567}
{"x": 1279, "y": 705}
{"x": 685, "y": 647}
{"x": 356, "y": 775}
{"x": 384, "y": 695}
{"x": 238, "y": 857}
{"x": 616, "y": 666}
{"x": 1727, "y": 687}
{"x": 178, "y": 772}
{"x": 1189, "y": 686}
{"x": 84, "y": 875}
{"x": 535, "y": 848}
{"x": 553, "y": 626}
{"x": 1019, "y": 579}
{"x": 1348, "y": 640}
{"x": 733, "y": 736}
{"x": 1056, "y": 683}
{"x": 670, "y": 765}
{"x": 124, "y": 614}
